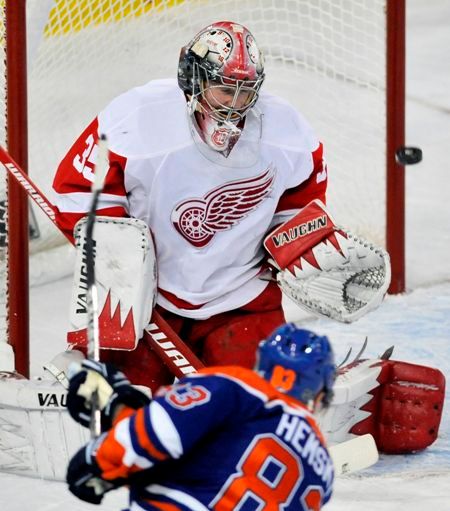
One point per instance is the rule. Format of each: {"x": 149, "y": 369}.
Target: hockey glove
{"x": 84, "y": 475}
{"x": 112, "y": 387}
{"x": 325, "y": 269}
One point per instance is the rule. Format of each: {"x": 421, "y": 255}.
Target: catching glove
{"x": 325, "y": 269}
{"x": 112, "y": 387}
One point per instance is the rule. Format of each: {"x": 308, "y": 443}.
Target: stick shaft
{"x": 93, "y": 334}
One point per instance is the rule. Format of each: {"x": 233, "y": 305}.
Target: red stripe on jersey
{"x": 178, "y": 302}
{"x": 75, "y": 175}
{"x": 143, "y": 439}
{"x": 314, "y": 187}
{"x": 114, "y": 181}
{"x": 75, "y": 168}
{"x": 267, "y": 300}
{"x": 75, "y": 172}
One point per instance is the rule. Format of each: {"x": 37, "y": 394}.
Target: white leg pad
{"x": 37, "y": 435}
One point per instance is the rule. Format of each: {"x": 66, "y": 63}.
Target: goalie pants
{"x": 229, "y": 338}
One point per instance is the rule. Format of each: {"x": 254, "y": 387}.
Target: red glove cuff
{"x": 304, "y": 231}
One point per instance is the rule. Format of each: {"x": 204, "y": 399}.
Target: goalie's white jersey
{"x": 208, "y": 215}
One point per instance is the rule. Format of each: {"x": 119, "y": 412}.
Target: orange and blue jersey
{"x": 221, "y": 439}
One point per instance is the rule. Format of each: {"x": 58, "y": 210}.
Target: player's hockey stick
{"x": 93, "y": 335}
{"x": 353, "y": 455}
{"x": 159, "y": 335}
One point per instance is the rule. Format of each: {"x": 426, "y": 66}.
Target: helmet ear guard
{"x": 186, "y": 72}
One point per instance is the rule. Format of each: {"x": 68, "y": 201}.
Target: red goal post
{"x": 14, "y": 293}
{"x": 342, "y": 63}
{"x": 395, "y": 138}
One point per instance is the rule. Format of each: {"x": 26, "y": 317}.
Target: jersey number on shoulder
{"x": 89, "y": 155}
{"x": 268, "y": 474}
{"x": 187, "y": 395}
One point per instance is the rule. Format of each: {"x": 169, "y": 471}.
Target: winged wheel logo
{"x": 199, "y": 219}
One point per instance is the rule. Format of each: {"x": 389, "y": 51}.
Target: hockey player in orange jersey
{"x": 212, "y": 164}
{"x": 225, "y": 438}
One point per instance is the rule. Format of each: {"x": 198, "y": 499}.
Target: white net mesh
{"x": 327, "y": 57}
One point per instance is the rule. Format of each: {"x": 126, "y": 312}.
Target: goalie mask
{"x": 299, "y": 363}
{"x": 221, "y": 71}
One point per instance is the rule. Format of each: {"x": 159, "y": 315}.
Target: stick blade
{"x": 353, "y": 455}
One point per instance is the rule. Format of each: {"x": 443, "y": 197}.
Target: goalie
{"x": 211, "y": 185}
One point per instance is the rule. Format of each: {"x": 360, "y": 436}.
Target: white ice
{"x": 417, "y": 323}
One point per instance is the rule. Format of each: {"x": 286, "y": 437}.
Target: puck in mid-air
{"x": 408, "y": 155}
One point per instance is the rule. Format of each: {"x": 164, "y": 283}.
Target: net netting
{"x": 325, "y": 56}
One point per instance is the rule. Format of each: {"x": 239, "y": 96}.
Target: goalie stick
{"x": 158, "y": 335}
{"x": 350, "y": 456}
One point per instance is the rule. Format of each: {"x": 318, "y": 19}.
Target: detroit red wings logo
{"x": 199, "y": 219}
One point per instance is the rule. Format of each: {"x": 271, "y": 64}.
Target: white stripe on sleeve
{"x": 122, "y": 435}
{"x": 165, "y": 430}
{"x": 80, "y": 202}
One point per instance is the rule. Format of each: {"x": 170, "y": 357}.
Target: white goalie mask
{"x": 221, "y": 71}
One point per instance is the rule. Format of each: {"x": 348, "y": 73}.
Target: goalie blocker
{"x": 126, "y": 276}
{"x": 326, "y": 269}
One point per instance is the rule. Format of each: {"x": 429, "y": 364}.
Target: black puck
{"x": 408, "y": 155}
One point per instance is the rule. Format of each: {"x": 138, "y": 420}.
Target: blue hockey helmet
{"x": 298, "y": 362}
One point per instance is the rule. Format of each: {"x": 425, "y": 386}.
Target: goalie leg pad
{"x": 406, "y": 408}
{"x": 126, "y": 276}
{"x": 37, "y": 435}
{"x": 399, "y": 403}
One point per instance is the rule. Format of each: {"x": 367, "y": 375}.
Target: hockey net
{"x": 328, "y": 58}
